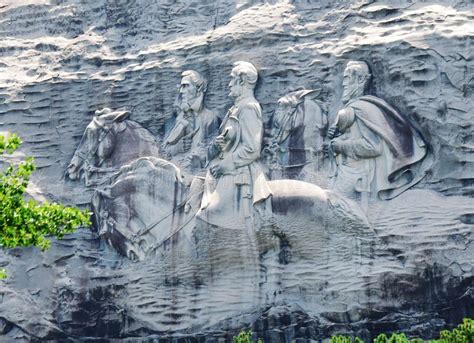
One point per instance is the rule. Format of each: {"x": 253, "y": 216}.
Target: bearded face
{"x": 188, "y": 93}
{"x": 349, "y": 85}
{"x": 353, "y": 84}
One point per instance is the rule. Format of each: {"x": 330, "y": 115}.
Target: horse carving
{"x": 110, "y": 141}
{"x": 144, "y": 206}
{"x": 298, "y": 128}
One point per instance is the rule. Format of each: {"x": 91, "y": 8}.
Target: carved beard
{"x": 193, "y": 103}
{"x": 350, "y": 93}
{"x": 184, "y": 105}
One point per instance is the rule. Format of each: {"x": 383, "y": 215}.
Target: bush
{"x": 345, "y": 339}
{"x": 464, "y": 333}
{"x": 245, "y": 337}
{"x": 28, "y": 223}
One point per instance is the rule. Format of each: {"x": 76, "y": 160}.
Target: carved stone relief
{"x": 195, "y": 125}
{"x": 298, "y": 129}
{"x": 343, "y": 206}
{"x": 371, "y": 152}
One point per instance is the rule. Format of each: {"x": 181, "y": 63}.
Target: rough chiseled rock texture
{"x": 62, "y": 60}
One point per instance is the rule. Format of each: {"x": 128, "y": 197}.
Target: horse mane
{"x": 143, "y": 132}
{"x": 309, "y": 100}
{"x": 160, "y": 167}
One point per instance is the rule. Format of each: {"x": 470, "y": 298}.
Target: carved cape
{"x": 398, "y": 160}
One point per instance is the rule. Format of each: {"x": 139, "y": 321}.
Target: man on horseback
{"x": 235, "y": 181}
{"x": 195, "y": 125}
{"x": 376, "y": 151}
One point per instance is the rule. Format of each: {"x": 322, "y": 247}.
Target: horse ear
{"x": 101, "y": 117}
{"x": 102, "y": 112}
{"x": 97, "y": 120}
{"x": 298, "y": 96}
{"x": 303, "y": 93}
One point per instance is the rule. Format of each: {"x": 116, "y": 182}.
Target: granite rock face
{"x": 409, "y": 269}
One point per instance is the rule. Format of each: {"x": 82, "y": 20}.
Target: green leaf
{"x": 29, "y": 223}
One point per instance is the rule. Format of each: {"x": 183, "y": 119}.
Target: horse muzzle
{"x": 73, "y": 171}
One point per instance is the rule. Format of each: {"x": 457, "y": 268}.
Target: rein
{"x": 153, "y": 225}
{"x": 174, "y": 233}
{"x": 85, "y": 157}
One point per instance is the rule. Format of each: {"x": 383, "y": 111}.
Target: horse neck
{"x": 290, "y": 125}
{"x": 124, "y": 150}
{"x": 165, "y": 204}
{"x": 144, "y": 141}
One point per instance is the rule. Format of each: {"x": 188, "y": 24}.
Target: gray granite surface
{"x": 320, "y": 255}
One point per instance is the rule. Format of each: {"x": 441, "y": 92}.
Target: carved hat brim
{"x": 106, "y": 116}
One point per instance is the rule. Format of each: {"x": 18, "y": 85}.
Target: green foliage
{"x": 395, "y": 338}
{"x": 28, "y": 223}
{"x": 9, "y": 143}
{"x": 345, "y": 339}
{"x": 245, "y": 337}
{"x": 464, "y": 333}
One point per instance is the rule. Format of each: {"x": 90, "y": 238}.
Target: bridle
{"x": 84, "y": 157}
{"x": 290, "y": 119}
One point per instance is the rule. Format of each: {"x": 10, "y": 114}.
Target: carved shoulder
{"x": 248, "y": 107}
{"x": 364, "y": 107}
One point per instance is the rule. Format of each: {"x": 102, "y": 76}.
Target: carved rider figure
{"x": 376, "y": 150}
{"x": 195, "y": 125}
{"x": 235, "y": 180}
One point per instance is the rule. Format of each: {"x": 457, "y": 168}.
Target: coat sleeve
{"x": 251, "y": 134}
{"x": 369, "y": 145}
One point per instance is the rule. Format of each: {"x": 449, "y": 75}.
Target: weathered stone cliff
{"x": 62, "y": 60}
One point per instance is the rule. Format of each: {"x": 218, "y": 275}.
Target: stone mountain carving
{"x": 150, "y": 199}
{"x": 110, "y": 141}
{"x": 144, "y": 207}
{"x": 235, "y": 180}
{"x": 141, "y": 207}
{"x": 375, "y": 150}
{"x": 305, "y": 270}
{"x": 145, "y": 202}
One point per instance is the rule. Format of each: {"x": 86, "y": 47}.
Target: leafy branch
{"x": 26, "y": 223}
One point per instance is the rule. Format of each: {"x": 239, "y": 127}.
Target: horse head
{"x": 142, "y": 206}
{"x": 289, "y": 114}
{"x": 97, "y": 143}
